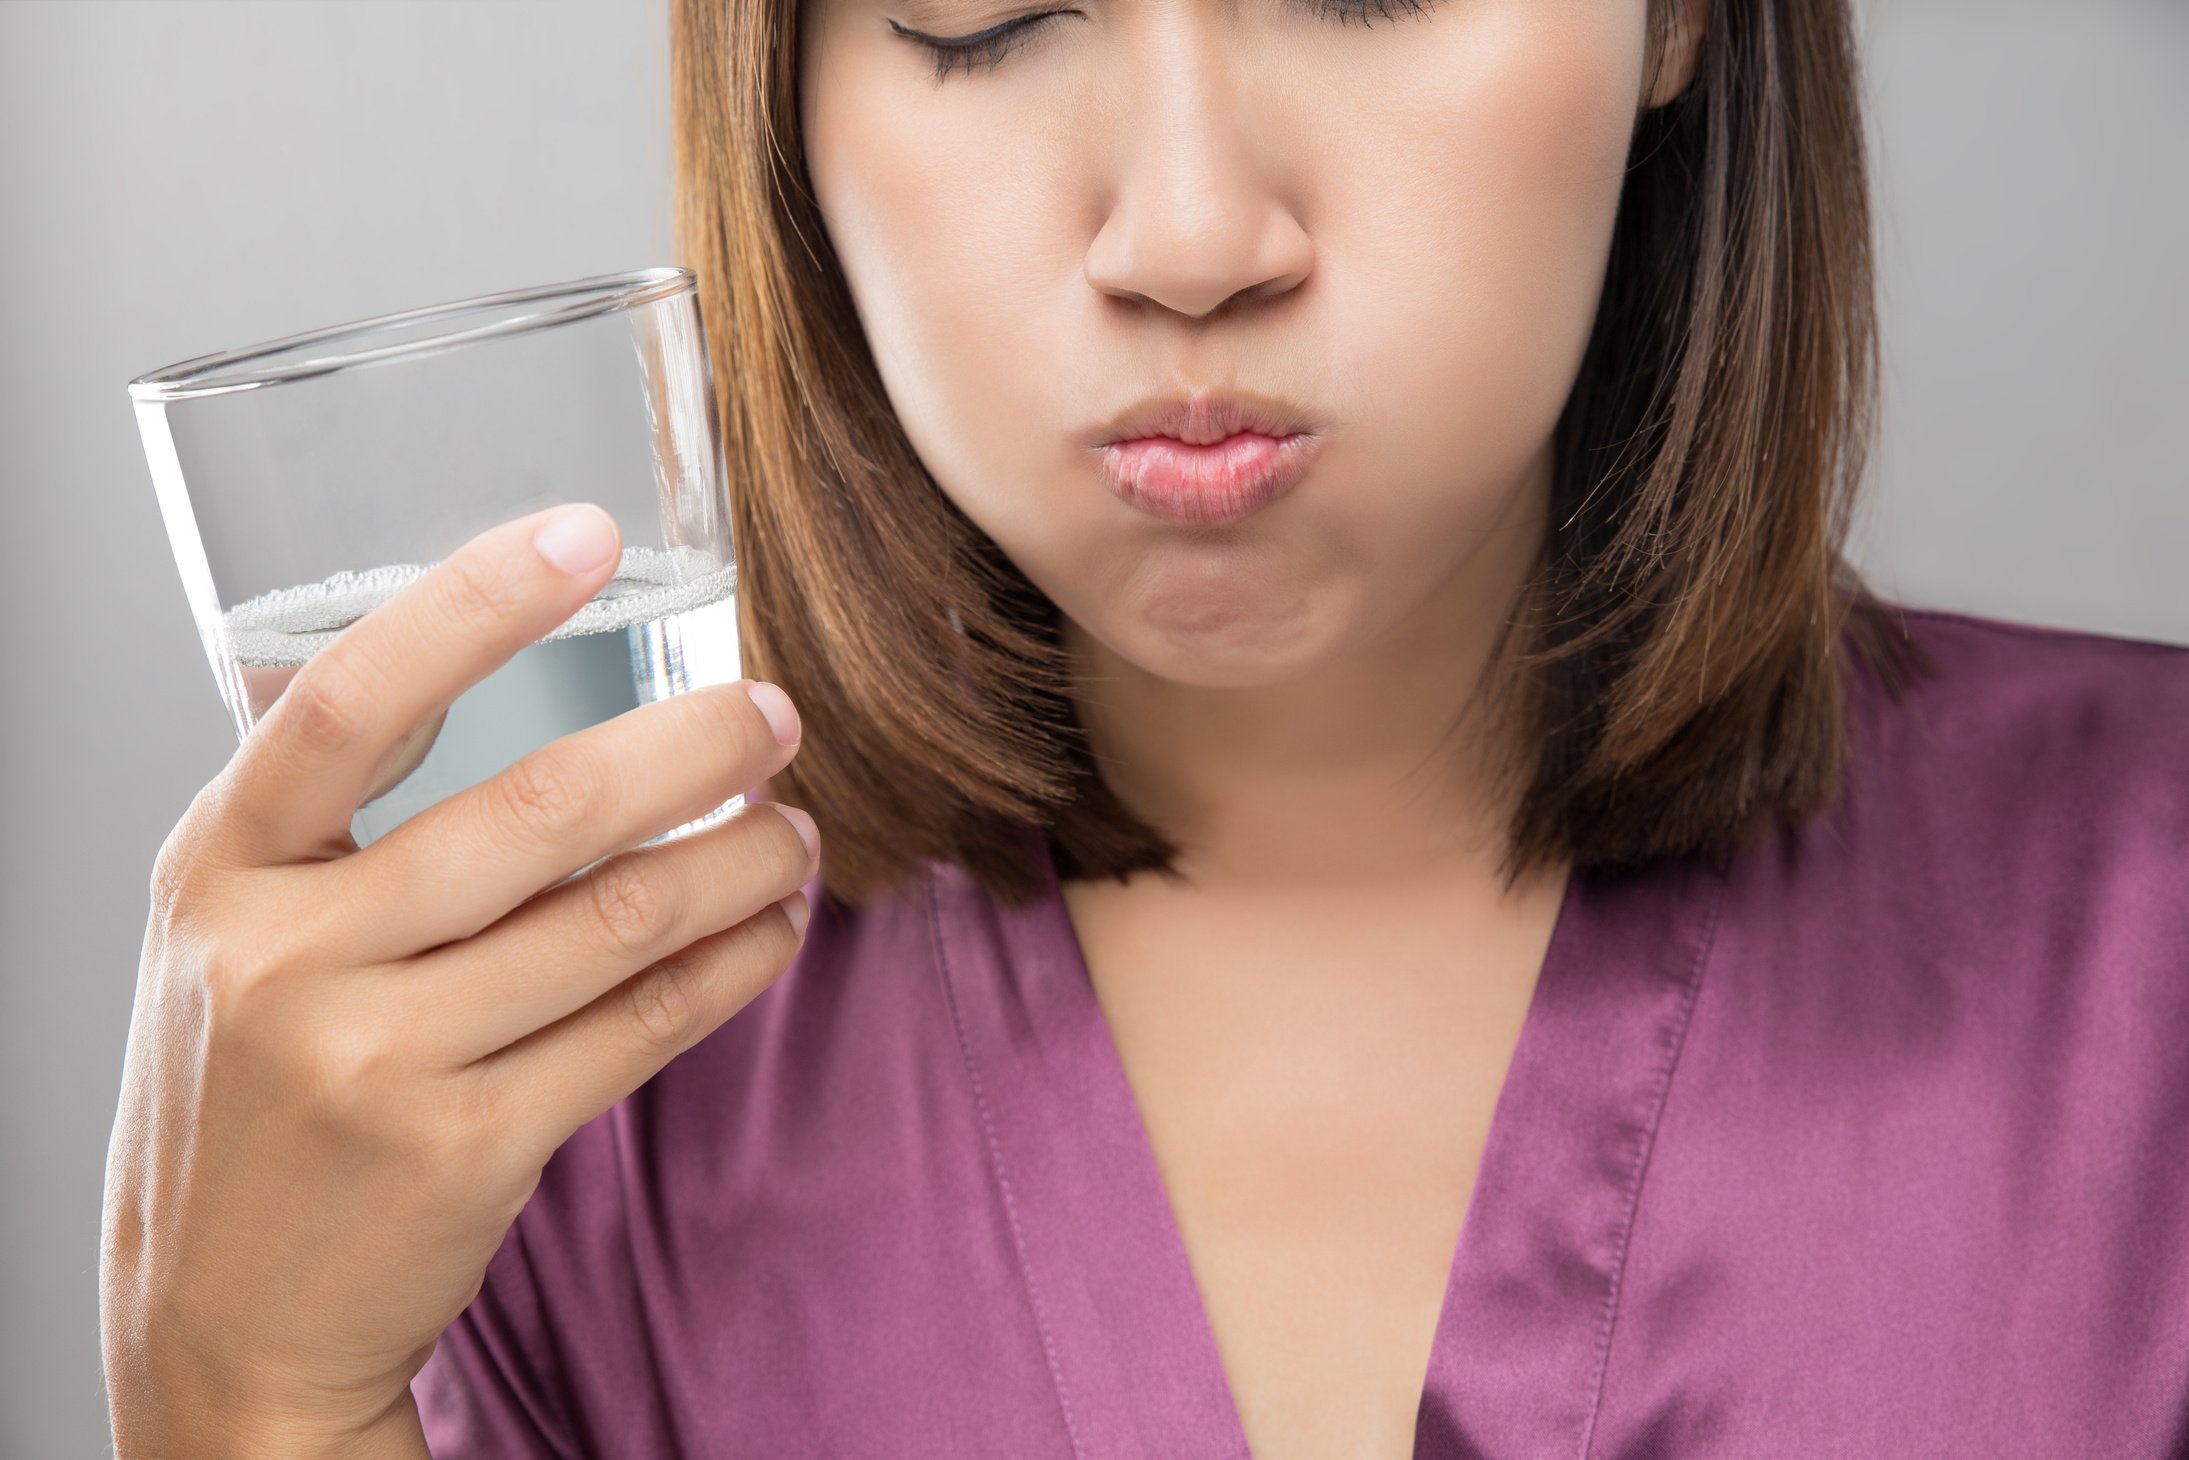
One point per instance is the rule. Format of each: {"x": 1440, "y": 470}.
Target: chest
{"x": 1317, "y": 1097}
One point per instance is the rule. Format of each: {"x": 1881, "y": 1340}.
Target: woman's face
{"x": 1400, "y": 228}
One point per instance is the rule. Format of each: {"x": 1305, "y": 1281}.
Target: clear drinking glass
{"x": 304, "y": 480}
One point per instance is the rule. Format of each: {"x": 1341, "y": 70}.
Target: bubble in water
{"x": 287, "y": 626}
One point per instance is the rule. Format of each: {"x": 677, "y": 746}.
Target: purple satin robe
{"x": 1874, "y": 1144}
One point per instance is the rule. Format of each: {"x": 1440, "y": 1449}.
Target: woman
{"x": 1388, "y": 891}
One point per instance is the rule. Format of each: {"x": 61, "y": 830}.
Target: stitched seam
{"x": 1003, "y": 1179}
{"x": 560, "y": 1431}
{"x": 629, "y": 1226}
{"x": 1641, "y": 1168}
{"x": 2027, "y": 628}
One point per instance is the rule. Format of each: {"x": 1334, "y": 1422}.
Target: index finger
{"x": 308, "y": 763}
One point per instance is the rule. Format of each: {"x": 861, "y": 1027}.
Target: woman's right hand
{"x": 346, "y": 1068}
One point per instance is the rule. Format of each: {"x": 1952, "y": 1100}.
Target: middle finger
{"x": 459, "y": 865}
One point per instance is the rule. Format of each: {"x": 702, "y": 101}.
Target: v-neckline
{"x": 1532, "y": 1291}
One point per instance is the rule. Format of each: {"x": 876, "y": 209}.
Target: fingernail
{"x": 807, "y": 831}
{"x": 794, "y": 908}
{"x": 577, "y": 539}
{"x": 776, "y": 705}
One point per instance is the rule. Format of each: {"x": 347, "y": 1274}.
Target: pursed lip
{"x": 1205, "y": 486}
{"x": 1202, "y": 418}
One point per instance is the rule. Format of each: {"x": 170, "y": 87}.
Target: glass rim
{"x": 231, "y": 370}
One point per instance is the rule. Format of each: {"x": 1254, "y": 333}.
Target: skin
{"x": 1403, "y": 228}
{"x": 1152, "y": 212}
{"x": 347, "y": 1067}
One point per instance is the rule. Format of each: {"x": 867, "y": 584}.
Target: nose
{"x": 1200, "y": 219}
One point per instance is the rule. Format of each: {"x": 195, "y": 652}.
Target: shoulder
{"x": 2018, "y": 679}
{"x": 2025, "y": 734}
{"x": 2009, "y": 853}
{"x": 2012, "y": 843}
{"x": 2036, "y": 657}
{"x": 1940, "y": 1036}
{"x": 1997, "y": 904}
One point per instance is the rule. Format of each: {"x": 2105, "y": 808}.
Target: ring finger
{"x": 562, "y": 949}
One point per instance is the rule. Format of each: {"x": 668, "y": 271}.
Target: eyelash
{"x": 987, "y": 48}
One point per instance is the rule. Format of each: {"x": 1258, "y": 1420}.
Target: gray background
{"x": 182, "y": 177}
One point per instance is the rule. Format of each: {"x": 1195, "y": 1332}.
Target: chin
{"x": 1215, "y": 644}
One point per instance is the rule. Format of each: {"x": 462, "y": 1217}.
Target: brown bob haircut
{"x": 1679, "y": 658}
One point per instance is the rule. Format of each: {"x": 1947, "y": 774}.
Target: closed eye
{"x": 987, "y": 48}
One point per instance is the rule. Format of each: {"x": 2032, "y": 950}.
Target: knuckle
{"x": 355, "y": 1080}
{"x": 192, "y": 854}
{"x": 175, "y": 876}
{"x": 733, "y": 719}
{"x": 487, "y": 1132}
{"x": 328, "y": 704}
{"x": 234, "y": 988}
{"x": 287, "y": 954}
{"x": 260, "y": 980}
{"x": 663, "y": 1002}
{"x": 479, "y": 588}
{"x": 545, "y": 795}
{"x": 628, "y": 908}
{"x": 246, "y": 1000}
{"x": 462, "y": 1144}
{"x": 356, "y": 1061}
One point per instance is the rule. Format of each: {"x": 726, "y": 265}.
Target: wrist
{"x": 396, "y": 1434}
